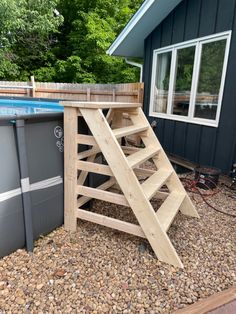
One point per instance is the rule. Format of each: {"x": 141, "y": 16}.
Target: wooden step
{"x": 155, "y": 182}
{"x": 102, "y": 195}
{"x": 128, "y": 150}
{"x": 168, "y": 210}
{"x": 110, "y": 222}
{"x": 129, "y": 130}
{"x": 106, "y": 185}
{"x": 88, "y": 153}
{"x": 86, "y": 140}
{"x": 142, "y": 155}
{"x": 94, "y": 167}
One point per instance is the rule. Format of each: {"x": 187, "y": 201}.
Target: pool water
{"x": 21, "y": 107}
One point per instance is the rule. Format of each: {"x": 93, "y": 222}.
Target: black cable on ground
{"x": 192, "y": 187}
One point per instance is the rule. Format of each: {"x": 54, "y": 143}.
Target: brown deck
{"x": 220, "y": 303}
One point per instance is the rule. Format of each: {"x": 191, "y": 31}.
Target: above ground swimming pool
{"x": 31, "y": 163}
{"x": 21, "y": 107}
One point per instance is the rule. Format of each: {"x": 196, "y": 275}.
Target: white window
{"x": 188, "y": 80}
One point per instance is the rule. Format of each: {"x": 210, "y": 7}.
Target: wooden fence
{"x": 130, "y": 92}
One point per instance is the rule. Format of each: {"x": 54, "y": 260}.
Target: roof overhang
{"x": 130, "y": 42}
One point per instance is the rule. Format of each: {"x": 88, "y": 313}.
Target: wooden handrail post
{"x": 70, "y": 167}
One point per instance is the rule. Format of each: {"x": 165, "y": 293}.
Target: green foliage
{"x": 211, "y": 67}
{"x": 89, "y": 29}
{"x": 10, "y": 21}
{"x": 185, "y": 69}
{"x": 29, "y": 29}
{"x": 70, "y": 47}
{"x": 212, "y": 59}
{"x": 8, "y": 70}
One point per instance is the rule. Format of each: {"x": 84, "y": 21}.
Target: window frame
{"x": 198, "y": 43}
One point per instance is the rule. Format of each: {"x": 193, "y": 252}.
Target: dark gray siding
{"x": 201, "y": 144}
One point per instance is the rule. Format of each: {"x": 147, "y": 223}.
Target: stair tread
{"x": 142, "y": 155}
{"x": 168, "y": 210}
{"x": 129, "y": 130}
{"x": 155, "y": 182}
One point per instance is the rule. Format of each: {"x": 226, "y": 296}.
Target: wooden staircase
{"x": 123, "y": 169}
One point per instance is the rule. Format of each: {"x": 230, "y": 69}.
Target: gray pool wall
{"x": 44, "y": 148}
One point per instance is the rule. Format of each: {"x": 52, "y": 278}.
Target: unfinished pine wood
{"x": 88, "y": 153}
{"x": 83, "y": 174}
{"x": 212, "y": 303}
{"x": 89, "y": 140}
{"x": 144, "y": 172}
{"x": 126, "y": 111}
{"x": 94, "y": 167}
{"x": 86, "y": 140}
{"x": 100, "y": 105}
{"x": 70, "y": 173}
{"x": 160, "y": 195}
{"x": 162, "y": 161}
{"x": 128, "y": 150}
{"x": 155, "y": 182}
{"x": 110, "y": 222}
{"x": 102, "y": 195}
{"x": 168, "y": 210}
{"x": 133, "y": 129}
{"x": 124, "y": 173}
{"x": 117, "y": 122}
{"x": 91, "y": 155}
{"x": 130, "y": 186}
{"x": 142, "y": 155}
{"x": 84, "y": 199}
{"x": 132, "y": 139}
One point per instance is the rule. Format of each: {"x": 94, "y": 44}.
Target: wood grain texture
{"x": 110, "y": 222}
{"x": 70, "y": 172}
{"x": 102, "y": 195}
{"x": 99, "y": 104}
{"x": 174, "y": 183}
{"x": 106, "y": 185}
{"x": 130, "y": 186}
{"x": 124, "y": 172}
{"x": 214, "y": 302}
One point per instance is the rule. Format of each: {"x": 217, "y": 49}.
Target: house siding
{"x": 200, "y": 144}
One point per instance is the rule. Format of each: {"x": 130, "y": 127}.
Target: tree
{"x": 28, "y": 28}
{"x": 88, "y": 30}
{"x": 9, "y": 22}
{"x": 66, "y": 47}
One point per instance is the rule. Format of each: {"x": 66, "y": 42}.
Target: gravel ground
{"x": 99, "y": 270}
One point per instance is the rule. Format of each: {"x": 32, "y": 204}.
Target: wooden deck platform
{"x": 220, "y": 303}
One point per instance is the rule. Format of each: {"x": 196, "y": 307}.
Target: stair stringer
{"x": 162, "y": 161}
{"x": 130, "y": 185}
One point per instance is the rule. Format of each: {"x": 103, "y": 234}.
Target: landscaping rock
{"x": 99, "y": 270}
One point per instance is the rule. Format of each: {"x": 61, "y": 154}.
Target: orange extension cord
{"x": 191, "y": 186}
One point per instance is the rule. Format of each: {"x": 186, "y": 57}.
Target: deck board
{"x": 222, "y": 302}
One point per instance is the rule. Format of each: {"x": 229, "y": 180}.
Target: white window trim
{"x": 198, "y": 42}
